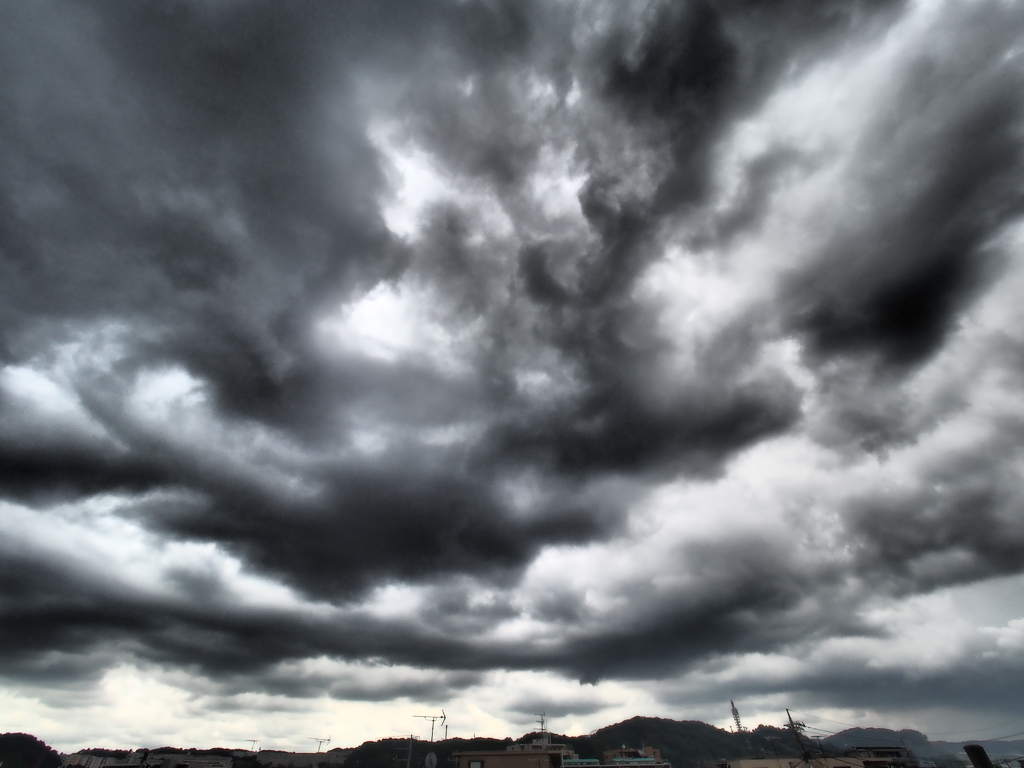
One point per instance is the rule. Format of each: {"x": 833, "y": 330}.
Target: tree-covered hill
{"x": 684, "y": 743}
{"x": 943, "y": 753}
{"x": 20, "y": 750}
{"x": 394, "y": 753}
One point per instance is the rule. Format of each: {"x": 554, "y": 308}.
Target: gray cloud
{"x": 195, "y": 189}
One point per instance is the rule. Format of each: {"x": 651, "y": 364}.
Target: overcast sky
{"x": 365, "y": 359}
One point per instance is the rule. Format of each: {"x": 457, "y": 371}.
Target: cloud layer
{"x": 377, "y": 352}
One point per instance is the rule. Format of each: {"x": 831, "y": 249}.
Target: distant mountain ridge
{"x": 920, "y": 744}
{"x": 683, "y": 743}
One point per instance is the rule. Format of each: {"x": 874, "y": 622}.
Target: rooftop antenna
{"x": 433, "y": 719}
{"x": 255, "y": 744}
{"x": 543, "y": 726}
{"x": 320, "y": 742}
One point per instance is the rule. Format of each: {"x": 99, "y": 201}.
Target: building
{"x": 541, "y": 753}
{"x": 113, "y": 759}
{"x": 187, "y": 760}
{"x": 793, "y": 762}
{"x": 143, "y": 758}
{"x": 648, "y": 756}
{"x": 884, "y": 757}
{"x": 273, "y": 758}
{"x": 861, "y": 757}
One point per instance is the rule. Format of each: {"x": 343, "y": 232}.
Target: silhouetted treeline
{"x": 20, "y": 750}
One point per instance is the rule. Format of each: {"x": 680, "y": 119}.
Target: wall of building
{"x": 300, "y": 759}
{"x": 532, "y": 759}
{"x": 794, "y": 762}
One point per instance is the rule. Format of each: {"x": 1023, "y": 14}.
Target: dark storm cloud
{"x": 200, "y": 626}
{"x": 960, "y": 522}
{"x": 195, "y": 186}
{"x": 940, "y": 179}
{"x": 203, "y": 191}
{"x": 369, "y": 528}
{"x": 527, "y": 708}
{"x": 980, "y": 684}
{"x": 694, "y": 68}
{"x": 85, "y": 622}
{"x": 753, "y": 596}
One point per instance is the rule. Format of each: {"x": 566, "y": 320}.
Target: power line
{"x": 989, "y": 728}
{"x": 819, "y": 717}
{"x": 1000, "y": 738}
{"x": 824, "y": 734}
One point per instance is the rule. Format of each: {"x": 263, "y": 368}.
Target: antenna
{"x": 433, "y": 719}
{"x": 543, "y": 725}
{"x": 320, "y": 742}
{"x": 736, "y": 717}
{"x": 255, "y": 744}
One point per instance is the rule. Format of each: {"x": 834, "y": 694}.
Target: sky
{"x": 362, "y": 360}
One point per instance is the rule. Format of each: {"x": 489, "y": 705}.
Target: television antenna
{"x": 543, "y": 727}
{"x": 255, "y": 744}
{"x": 320, "y": 742}
{"x": 433, "y": 719}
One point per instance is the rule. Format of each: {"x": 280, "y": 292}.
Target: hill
{"x": 20, "y": 750}
{"x": 944, "y": 753}
{"x": 681, "y": 742}
{"x": 684, "y": 742}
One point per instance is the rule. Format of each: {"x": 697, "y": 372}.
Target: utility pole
{"x": 797, "y": 729}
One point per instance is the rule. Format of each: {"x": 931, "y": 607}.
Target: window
{"x": 476, "y": 764}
